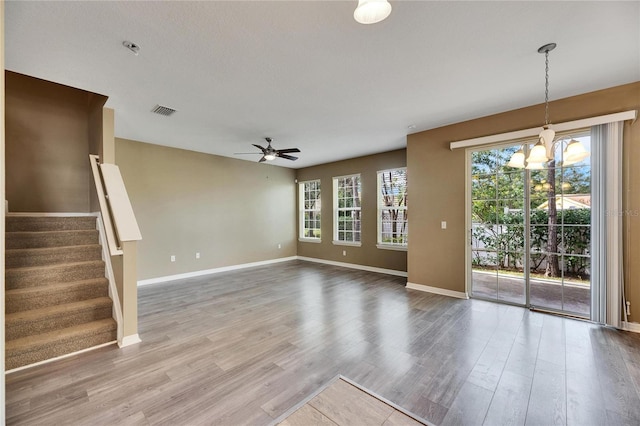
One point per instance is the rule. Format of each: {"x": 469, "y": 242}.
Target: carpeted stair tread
{"x": 50, "y": 318}
{"x": 56, "y": 293}
{"x": 24, "y": 299}
{"x": 34, "y": 276}
{"x": 26, "y": 257}
{"x": 24, "y": 240}
{"x": 31, "y": 349}
{"x": 49, "y": 223}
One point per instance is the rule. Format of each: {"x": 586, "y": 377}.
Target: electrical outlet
{"x": 197, "y": 255}
{"x": 173, "y": 258}
{"x": 443, "y": 224}
{"x": 344, "y": 252}
{"x": 279, "y": 246}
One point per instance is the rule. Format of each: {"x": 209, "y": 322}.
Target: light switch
{"x": 443, "y": 224}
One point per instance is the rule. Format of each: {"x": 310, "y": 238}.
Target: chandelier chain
{"x": 546, "y": 88}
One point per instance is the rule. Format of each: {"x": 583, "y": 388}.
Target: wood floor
{"x": 343, "y": 403}
{"x": 243, "y": 347}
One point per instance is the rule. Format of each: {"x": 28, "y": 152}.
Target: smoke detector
{"x": 132, "y": 47}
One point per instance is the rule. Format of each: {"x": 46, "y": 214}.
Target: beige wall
{"x": 437, "y": 186}
{"x": 95, "y": 107}
{"x": 368, "y": 254}
{"x": 230, "y": 211}
{"x": 47, "y": 146}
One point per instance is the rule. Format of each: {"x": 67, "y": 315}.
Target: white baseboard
{"x": 437, "y": 290}
{"x": 129, "y": 340}
{"x": 355, "y": 266}
{"x": 631, "y": 326}
{"x": 212, "y": 271}
{"x": 267, "y": 262}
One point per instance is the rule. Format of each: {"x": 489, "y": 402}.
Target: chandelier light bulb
{"x": 534, "y": 166}
{"x": 538, "y": 153}
{"x": 517, "y": 159}
{"x": 574, "y": 153}
{"x": 371, "y": 11}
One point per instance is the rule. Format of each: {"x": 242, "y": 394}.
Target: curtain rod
{"x": 534, "y": 131}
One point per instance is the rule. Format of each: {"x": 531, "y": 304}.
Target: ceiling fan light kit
{"x": 543, "y": 151}
{"x": 371, "y": 11}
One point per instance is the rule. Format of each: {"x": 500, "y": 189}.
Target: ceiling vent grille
{"x": 163, "y": 110}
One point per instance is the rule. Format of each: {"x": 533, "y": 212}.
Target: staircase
{"x": 56, "y": 294}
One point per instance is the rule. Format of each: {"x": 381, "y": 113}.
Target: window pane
{"x": 310, "y": 209}
{"x": 347, "y": 199}
{"x": 392, "y": 205}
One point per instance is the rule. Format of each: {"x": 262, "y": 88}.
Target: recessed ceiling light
{"x": 131, "y": 46}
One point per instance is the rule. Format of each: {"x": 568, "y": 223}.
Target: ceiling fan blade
{"x": 288, "y": 157}
{"x": 247, "y": 153}
{"x": 285, "y": 151}
{"x": 262, "y": 160}
{"x": 260, "y": 148}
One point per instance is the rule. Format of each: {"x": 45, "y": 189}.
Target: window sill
{"x": 346, "y": 243}
{"x": 310, "y": 240}
{"x": 391, "y": 247}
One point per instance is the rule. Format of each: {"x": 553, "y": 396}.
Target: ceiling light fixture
{"x": 543, "y": 151}
{"x": 371, "y": 11}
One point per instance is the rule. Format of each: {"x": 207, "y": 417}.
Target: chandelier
{"x": 543, "y": 150}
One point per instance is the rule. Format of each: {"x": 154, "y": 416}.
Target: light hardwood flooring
{"x": 341, "y": 403}
{"x": 243, "y": 347}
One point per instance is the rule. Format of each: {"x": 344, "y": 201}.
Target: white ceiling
{"x": 307, "y": 75}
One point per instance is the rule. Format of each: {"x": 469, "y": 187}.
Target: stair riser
{"x": 39, "y": 224}
{"x": 20, "y": 303}
{"x": 18, "y": 329}
{"x": 21, "y": 278}
{"x": 28, "y": 240}
{"x": 53, "y": 256}
{"x": 57, "y": 348}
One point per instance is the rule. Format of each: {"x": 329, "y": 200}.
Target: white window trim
{"x": 301, "y": 210}
{"x": 379, "y": 243}
{"x": 388, "y": 246}
{"x": 335, "y": 211}
{"x": 347, "y": 243}
{"x": 310, "y": 240}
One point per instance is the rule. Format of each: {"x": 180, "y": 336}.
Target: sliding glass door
{"x": 530, "y": 230}
{"x": 497, "y": 227}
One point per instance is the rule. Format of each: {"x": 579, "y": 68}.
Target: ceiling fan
{"x": 269, "y": 153}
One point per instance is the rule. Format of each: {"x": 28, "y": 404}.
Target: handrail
{"x": 112, "y": 242}
{"x": 124, "y": 219}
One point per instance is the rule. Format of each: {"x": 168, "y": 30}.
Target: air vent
{"x": 163, "y": 110}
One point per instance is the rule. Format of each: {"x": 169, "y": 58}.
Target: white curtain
{"x": 607, "y": 274}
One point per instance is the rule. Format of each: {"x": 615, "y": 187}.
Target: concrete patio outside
{"x": 573, "y": 297}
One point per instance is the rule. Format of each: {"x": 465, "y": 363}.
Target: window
{"x": 346, "y": 205}
{"x": 310, "y": 210}
{"x": 392, "y": 209}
